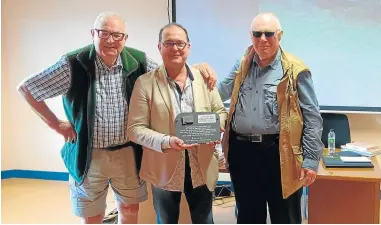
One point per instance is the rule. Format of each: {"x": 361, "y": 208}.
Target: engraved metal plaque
{"x": 198, "y": 127}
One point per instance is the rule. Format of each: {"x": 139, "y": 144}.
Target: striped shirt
{"x": 111, "y": 108}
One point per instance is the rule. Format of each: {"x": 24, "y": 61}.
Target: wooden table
{"x": 345, "y": 195}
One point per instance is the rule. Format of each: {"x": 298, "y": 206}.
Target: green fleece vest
{"x": 79, "y": 104}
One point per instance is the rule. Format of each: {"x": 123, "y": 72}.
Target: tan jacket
{"x": 152, "y": 115}
{"x": 290, "y": 118}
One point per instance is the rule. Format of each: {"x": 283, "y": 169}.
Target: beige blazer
{"x": 151, "y": 116}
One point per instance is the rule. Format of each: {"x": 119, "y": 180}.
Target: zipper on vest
{"x": 125, "y": 84}
{"x": 89, "y": 83}
{"x": 89, "y": 141}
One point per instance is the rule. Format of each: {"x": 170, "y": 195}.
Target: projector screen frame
{"x": 323, "y": 108}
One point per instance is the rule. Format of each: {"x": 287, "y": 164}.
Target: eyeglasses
{"x": 268, "y": 34}
{"x": 179, "y": 44}
{"x": 104, "y": 34}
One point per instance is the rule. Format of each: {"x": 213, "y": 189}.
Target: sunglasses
{"x": 267, "y": 34}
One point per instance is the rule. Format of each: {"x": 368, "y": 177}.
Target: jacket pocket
{"x": 296, "y": 124}
{"x": 270, "y": 110}
{"x": 69, "y": 153}
{"x": 158, "y": 168}
{"x": 298, "y": 154}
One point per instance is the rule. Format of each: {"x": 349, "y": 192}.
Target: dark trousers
{"x": 255, "y": 173}
{"x": 167, "y": 203}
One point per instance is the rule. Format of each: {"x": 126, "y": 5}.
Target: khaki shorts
{"x": 116, "y": 168}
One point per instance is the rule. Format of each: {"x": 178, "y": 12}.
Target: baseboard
{"x": 35, "y": 174}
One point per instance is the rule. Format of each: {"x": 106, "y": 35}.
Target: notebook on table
{"x": 346, "y": 160}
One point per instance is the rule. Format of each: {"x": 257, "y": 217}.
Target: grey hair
{"x": 268, "y": 14}
{"x": 106, "y": 14}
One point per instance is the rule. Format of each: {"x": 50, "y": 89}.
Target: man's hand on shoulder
{"x": 208, "y": 74}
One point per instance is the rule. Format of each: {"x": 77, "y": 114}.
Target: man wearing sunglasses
{"x": 171, "y": 166}
{"x": 274, "y": 128}
{"x": 96, "y": 83}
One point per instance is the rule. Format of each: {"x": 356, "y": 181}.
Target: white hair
{"x": 103, "y": 16}
{"x": 269, "y": 16}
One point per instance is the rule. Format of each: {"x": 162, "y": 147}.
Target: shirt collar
{"x": 118, "y": 63}
{"x": 189, "y": 73}
{"x": 274, "y": 64}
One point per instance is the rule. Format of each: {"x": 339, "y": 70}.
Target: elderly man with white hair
{"x": 274, "y": 127}
{"x": 96, "y": 83}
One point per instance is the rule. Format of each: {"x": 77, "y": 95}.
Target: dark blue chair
{"x": 340, "y": 124}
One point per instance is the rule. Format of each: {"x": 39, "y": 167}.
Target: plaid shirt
{"x": 111, "y": 108}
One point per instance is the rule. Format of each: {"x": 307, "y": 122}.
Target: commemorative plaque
{"x": 198, "y": 127}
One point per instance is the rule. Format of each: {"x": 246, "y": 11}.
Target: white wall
{"x": 35, "y": 33}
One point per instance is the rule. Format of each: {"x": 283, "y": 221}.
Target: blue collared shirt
{"x": 257, "y": 109}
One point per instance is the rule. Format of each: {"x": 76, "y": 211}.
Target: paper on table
{"x": 224, "y": 177}
{"x": 355, "y": 159}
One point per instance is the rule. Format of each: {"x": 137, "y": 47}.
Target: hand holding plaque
{"x": 178, "y": 144}
{"x": 198, "y": 127}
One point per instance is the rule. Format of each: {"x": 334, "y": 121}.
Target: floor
{"x": 47, "y": 202}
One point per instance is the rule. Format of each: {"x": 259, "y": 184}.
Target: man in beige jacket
{"x": 171, "y": 166}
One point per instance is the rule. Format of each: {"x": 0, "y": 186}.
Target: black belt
{"x": 113, "y": 148}
{"x": 257, "y": 137}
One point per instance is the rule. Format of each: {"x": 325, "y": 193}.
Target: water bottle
{"x": 331, "y": 142}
